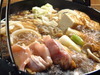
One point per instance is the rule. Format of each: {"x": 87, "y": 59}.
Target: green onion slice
{"x": 77, "y": 39}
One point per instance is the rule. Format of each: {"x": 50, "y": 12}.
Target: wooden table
{"x": 94, "y": 3}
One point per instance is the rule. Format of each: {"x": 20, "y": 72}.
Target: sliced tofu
{"x": 68, "y": 20}
{"x": 73, "y": 18}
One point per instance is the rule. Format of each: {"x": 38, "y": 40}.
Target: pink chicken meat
{"x": 39, "y": 56}
{"x": 58, "y": 53}
{"x": 36, "y": 57}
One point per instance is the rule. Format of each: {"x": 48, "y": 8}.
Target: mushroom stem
{"x": 91, "y": 55}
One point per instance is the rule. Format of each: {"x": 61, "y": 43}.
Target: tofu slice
{"x": 68, "y": 20}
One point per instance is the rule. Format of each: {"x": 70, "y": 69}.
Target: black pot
{"x": 61, "y": 4}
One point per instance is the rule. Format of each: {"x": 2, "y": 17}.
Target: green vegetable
{"x": 77, "y": 39}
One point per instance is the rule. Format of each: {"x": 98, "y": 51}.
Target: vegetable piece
{"x": 38, "y": 12}
{"x": 30, "y": 71}
{"x": 24, "y": 36}
{"x": 87, "y": 50}
{"x": 48, "y": 7}
{"x": 91, "y": 55}
{"x": 71, "y": 31}
{"x": 77, "y": 39}
{"x": 13, "y": 25}
{"x": 43, "y": 11}
{"x": 65, "y": 40}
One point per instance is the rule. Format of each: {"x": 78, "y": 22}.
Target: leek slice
{"x": 65, "y": 40}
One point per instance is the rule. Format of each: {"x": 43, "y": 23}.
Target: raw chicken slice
{"x": 35, "y": 57}
{"x": 36, "y": 64}
{"x": 21, "y": 56}
{"x": 42, "y": 51}
{"x": 58, "y": 53}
